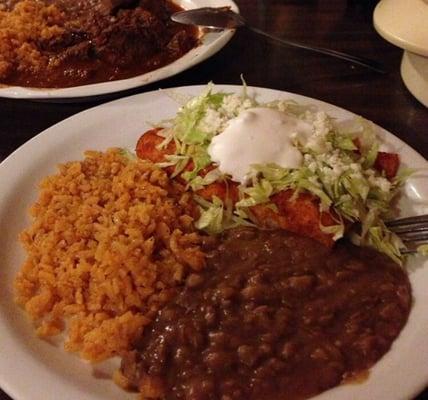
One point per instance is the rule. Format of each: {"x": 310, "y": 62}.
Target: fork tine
{"x": 408, "y": 221}
{"x": 413, "y": 231}
{"x": 409, "y": 251}
{"x": 400, "y": 229}
{"x": 414, "y": 238}
{"x": 412, "y": 249}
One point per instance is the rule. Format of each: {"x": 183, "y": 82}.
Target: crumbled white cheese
{"x": 317, "y": 141}
{"x": 378, "y": 181}
{"x": 212, "y": 121}
{"x": 232, "y": 105}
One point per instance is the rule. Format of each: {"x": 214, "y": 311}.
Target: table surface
{"x": 343, "y": 25}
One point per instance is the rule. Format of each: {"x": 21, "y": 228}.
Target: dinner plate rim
{"x": 211, "y": 43}
{"x": 54, "y": 133}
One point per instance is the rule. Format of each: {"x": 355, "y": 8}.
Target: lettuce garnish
{"x": 337, "y": 168}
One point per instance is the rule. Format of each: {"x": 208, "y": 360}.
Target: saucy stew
{"x": 275, "y": 316}
{"x": 104, "y": 40}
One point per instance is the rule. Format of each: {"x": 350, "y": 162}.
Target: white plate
{"x": 211, "y": 43}
{"x": 32, "y": 369}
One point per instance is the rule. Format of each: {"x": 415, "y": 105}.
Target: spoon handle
{"x": 371, "y": 64}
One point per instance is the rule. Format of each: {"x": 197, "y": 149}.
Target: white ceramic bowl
{"x": 405, "y": 24}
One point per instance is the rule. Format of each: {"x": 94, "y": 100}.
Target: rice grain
{"x": 110, "y": 240}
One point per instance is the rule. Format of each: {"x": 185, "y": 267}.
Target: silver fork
{"x": 224, "y": 17}
{"x": 413, "y": 231}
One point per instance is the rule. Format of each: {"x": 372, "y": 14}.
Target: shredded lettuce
{"x": 129, "y": 155}
{"x": 187, "y": 123}
{"x": 259, "y": 193}
{"x": 336, "y": 230}
{"x": 215, "y": 216}
{"x": 212, "y": 216}
{"x": 337, "y": 168}
{"x": 212, "y": 176}
{"x": 370, "y": 155}
{"x": 423, "y": 249}
{"x": 385, "y": 241}
{"x": 344, "y": 142}
{"x": 196, "y": 123}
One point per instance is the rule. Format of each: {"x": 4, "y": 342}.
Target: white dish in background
{"x": 32, "y": 369}
{"x": 211, "y": 43}
{"x": 405, "y": 24}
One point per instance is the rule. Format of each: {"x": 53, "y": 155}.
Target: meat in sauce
{"x": 275, "y": 316}
{"x": 105, "y": 40}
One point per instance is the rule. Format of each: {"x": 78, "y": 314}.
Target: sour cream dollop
{"x": 257, "y": 135}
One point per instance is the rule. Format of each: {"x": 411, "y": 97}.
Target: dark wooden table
{"x": 339, "y": 24}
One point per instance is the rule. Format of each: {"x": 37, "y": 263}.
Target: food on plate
{"x": 273, "y": 316}
{"x": 216, "y": 261}
{"x": 109, "y": 241}
{"x": 63, "y": 43}
{"x": 279, "y": 165}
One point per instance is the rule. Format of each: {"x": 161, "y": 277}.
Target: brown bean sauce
{"x": 274, "y": 316}
{"x": 107, "y": 40}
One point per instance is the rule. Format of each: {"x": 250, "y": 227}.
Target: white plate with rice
{"x": 34, "y": 369}
{"x": 210, "y": 43}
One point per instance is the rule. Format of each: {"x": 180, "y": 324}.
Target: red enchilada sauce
{"x": 106, "y": 40}
{"x": 275, "y": 316}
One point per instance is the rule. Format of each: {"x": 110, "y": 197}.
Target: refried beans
{"x": 274, "y": 316}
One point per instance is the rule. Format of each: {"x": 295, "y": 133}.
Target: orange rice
{"x": 22, "y": 29}
{"x": 109, "y": 241}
